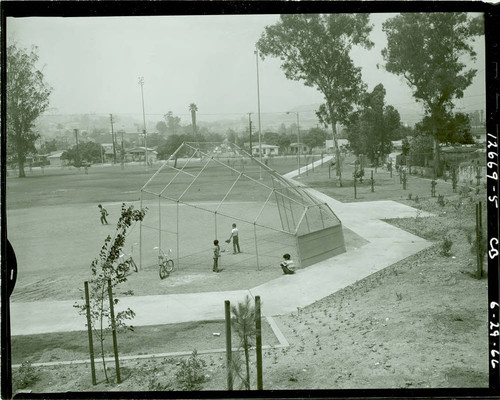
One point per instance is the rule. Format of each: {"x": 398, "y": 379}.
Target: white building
{"x": 267, "y": 150}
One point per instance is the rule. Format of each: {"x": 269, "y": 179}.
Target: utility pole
{"x": 77, "y": 152}
{"x": 250, "y": 125}
{"x": 113, "y": 138}
{"x": 123, "y": 153}
{"x": 141, "y": 82}
{"x": 258, "y": 108}
{"x": 298, "y": 140}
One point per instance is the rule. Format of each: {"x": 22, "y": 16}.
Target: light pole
{"x": 141, "y": 82}
{"x": 258, "y": 107}
{"x": 298, "y": 139}
{"x": 77, "y": 152}
{"x": 250, "y": 128}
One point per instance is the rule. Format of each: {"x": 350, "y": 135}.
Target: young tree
{"x": 193, "y": 108}
{"x": 105, "y": 268}
{"x": 428, "y": 50}
{"x": 315, "y": 49}
{"x": 243, "y": 322}
{"x": 27, "y": 98}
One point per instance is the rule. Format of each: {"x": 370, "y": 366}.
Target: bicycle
{"x": 165, "y": 263}
{"x": 128, "y": 264}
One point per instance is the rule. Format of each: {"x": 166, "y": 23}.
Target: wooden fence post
{"x": 258, "y": 342}
{"x": 229, "y": 349}
{"x": 113, "y": 327}
{"x": 355, "y": 193}
{"x": 372, "y": 181}
{"x": 481, "y": 250}
{"x": 89, "y": 328}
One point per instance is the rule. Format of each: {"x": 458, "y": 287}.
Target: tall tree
{"x": 373, "y": 126}
{"x": 88, "y": 151}
{"x": 27, "y": 98}
{"x": 173, "y": 123}
{"x": 315, "y": 137}
{"x": 429, "y": 51}
{"x": 193, "y": 108}
{"x": 315, "y": 49}
{"x": 161, "y": 127}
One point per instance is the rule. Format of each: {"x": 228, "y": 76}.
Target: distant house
{"x": 294, "y": 148}
{"x": 267, "y": 150}
{"x": 139, "y": 154}
{"x": 56, "y": 160}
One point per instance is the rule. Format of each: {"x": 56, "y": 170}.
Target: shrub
{"x": 26, "y": 376}
{"x": 440, "y": 200}
{"x": 156, "y": 386}
{"x": 446, "y": 246}
{"x": 409, "y": 196}
{"x": 190, "y": 375}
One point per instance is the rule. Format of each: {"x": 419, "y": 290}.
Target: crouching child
{"x": 287, "y": 265}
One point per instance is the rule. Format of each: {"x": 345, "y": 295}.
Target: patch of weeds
{"x": 26, "y": 376}
{"x": 190, "y": 375}
{"x": 445, "y": 246}
{"x": 440, "y": 200}
{"x": 409, "y": 196}
{"x": 155, "y": 385}
{"x": 399, "y": 296}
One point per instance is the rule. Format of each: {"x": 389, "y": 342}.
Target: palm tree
{"x": 193, "y": 108}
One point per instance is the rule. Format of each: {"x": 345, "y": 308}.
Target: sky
{"x": 93, "y": 66}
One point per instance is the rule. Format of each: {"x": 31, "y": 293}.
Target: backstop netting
{"x": 204, "y": 188}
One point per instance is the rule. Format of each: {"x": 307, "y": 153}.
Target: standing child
{"x": 287, "y": 265}
{"x": 216, "y": 256}
{"x": 234, "y": 236}
{"x": 104, "y": 213}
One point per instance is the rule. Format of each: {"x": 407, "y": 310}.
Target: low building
{"x": 139, "y": 154}
{"x": 56, "y": 160}
{"x": 267, "y": 150}
{"x": 294, "y": 148}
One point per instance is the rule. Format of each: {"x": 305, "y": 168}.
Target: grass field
{"x": 53, "y": 224}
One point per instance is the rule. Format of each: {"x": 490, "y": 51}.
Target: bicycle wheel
{"x": 133, "y": 265}
{"x": 170, "y": 266}
{"x": 163, "y": 271}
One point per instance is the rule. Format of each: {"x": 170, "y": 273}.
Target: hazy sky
{"x": 93, "y": 65}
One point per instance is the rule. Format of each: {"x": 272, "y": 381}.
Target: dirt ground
{"x": 420, "y": 323}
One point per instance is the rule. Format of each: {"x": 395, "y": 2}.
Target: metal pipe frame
{"x": 229, "y": 191}
{"x": 262, "y": 209}
{"x": 300, "y": 221}
{"x": 163, "y": 165}
{"x": 156, "y": 229}
{"x": 279, "y": 209}
{"x": 194, "y": 180}
{"x": 256, "y": 246}
{"x": 225, "y": 215}
{"x": 178, "y": 173}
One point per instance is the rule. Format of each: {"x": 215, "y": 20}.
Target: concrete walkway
{"x": 283, "y": 295}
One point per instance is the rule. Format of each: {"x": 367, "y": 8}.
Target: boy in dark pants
{"x": 216, "y": 256}
{"x": 104, "y": 213}
{"x": 234, "y": 236}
